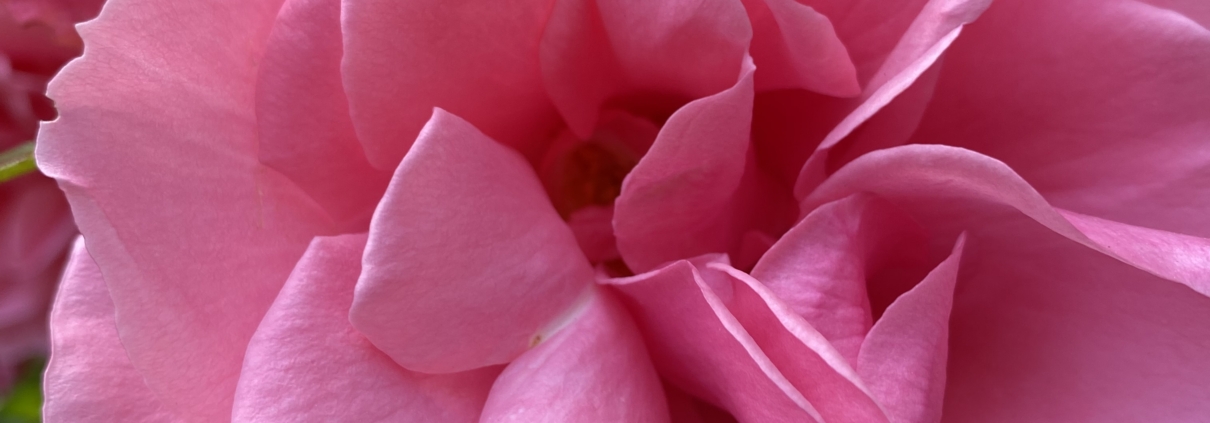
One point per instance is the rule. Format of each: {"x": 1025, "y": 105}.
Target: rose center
{"x": 591, "y": 175}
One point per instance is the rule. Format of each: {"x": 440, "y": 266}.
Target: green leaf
{"x": 17, "y": 161}
{"x": 24, "y": 402}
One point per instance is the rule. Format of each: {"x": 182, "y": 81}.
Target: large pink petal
{"x": 696, "y": 191}
{"x": 595, "y": 50}
{"x": 155, "y": 147}
{"x": 468, "y": 263}
{"x": 478, "y": 60}
{"x": 303, "y": 116}
{"x": 1109, "y": 118}
{"x": 796, "y": 47}
{"x": 947, "y": 187}
{"x": 89, "y": 378}
{"x": 903, "y": 359}
{"x": 595, "y": 369}
{"x": 822, "y": 268}
{"x": 306, "y": 363}
{"x": 1047, "y": 330}
{"x": 721, "y": 336}
{"x": 937, "y": 26}
{"x": 1058, "y": 316}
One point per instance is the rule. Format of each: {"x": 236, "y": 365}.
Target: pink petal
{"x": 90, "y": 378}
{"x": 595, "y": 50}
{"x": 903, "y": 359}
{"x": 823, "y": 267}
{"x": 194, "y": 234}
{"x": 1109, "y": 119}
{"x": 595, "y": 369}
{"x": 1047, "y": 330}
{"x": 721, "y": 336}
{"x": 933, "y": 182}
{"x": 1059, "y": 317}
{"x": 467, "y": 261}
{"x": 937, "y": 26}
{"x": 402, "y": 59}
{"x": 697, "y": 190}
{"x": 306, "y": 363}
{"x": 796, "y": 47}
{"x": 304, "y": 125}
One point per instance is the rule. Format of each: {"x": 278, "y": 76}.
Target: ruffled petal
{"x": 796, "y": 47}
{"x": 1109, "y": 119}
{"x": 933, "y": 31}
{"x": 160, "y": 166}
{"x": 595, "y": 369}
{"x": 903, "y": 358}
{"x": 721, "y": 336}
{"x": 1057, "y": 316}
{"x": 306, "y": 363}
{"x": 90, "y": 378}
{"x": 477, "y": 60}
{"x": 596, "y": 50}
{"x": 825, "y": 268}
{"x": 303, "y": 116}
{"x": 468, "y": 262}
{"x": 678, "y": 201}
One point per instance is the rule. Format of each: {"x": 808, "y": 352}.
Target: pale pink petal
{"x": 903, "y": 358}
{"x": 467, "y": 262}
{"x": 948, "y": 187}
{"x": 1105, "y": 114}
{"x": 1047, "y": 330}
{"x": 595, "y": 369}
{"x": 796, "y": 47}
{"x": 937, "y": 26}
{"x": 595, "y": 50}
{"x": 306, "y": 363}
{"x": 869, "y": 29}
{"x": 304, "y": 125}
{"x": 720, "y": 336}
{"x": 697, "y": 190}
{"x": 826, "y": 267}
{"x": 1058, "y": 316}
{"x": 478, "y": 60}
{"x": 90, "y": 378}
{"x": 155, "y": 147}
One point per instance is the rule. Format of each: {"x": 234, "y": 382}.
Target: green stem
{"x": 17, "y": 161}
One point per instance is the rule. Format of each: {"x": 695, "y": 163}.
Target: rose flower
{"x": 36, "y": 39}
{"x": 635, "y": 211}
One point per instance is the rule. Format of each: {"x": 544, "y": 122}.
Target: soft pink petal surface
{"x": 477, "y": 60}
{"x": 1109, "y": 118}
{"x": 306, "y": 363}
{"x": 903, "y": 358}
{"x": 169, "y": 192}
{"x": 797, "y": 47}
{"x": 1057, "y": 316}
{"x": 924, "y": 42}
{"x": 89, "y": 377}
{"x": 721, "y": 336}
{"x": 467, "y": 263}
{"x": 593, "y": 51}
{"x": 825, "y": 267}
{"x": 303, "y": 116}
{"x": 697, "y": 190}
{"x": 594, "y": 369}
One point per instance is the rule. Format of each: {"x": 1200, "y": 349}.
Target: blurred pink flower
{"x": 639, "y": 211}
{"x": 36, "y": 39}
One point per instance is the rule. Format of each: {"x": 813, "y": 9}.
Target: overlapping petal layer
{"x": 465, "y": 246}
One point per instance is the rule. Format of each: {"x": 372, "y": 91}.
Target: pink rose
{"x": 635, "y": 211}
{"x": 35, "y": 223}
